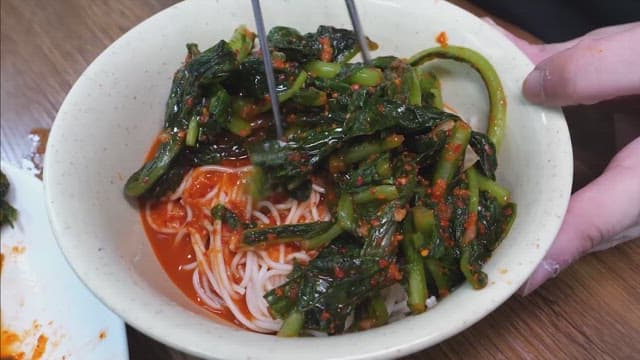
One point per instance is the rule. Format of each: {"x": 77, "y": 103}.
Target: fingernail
{"x": 533, "y": 86}
{"x": 546, "y": 270}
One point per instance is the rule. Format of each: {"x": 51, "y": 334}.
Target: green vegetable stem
{"x": 497, "y": 99}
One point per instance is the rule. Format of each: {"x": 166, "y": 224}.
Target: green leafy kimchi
{"x": 373, "y": 188}
{"x": 8, "y": 214}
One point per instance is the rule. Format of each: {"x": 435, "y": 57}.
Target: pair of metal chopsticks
{"x": 268, "y": 65}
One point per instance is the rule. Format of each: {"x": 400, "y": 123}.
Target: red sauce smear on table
{"x": 11, "y": 342}
{"x": 41, "y": 347}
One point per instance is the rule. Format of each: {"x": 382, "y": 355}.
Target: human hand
{"x": 599, "y": 66}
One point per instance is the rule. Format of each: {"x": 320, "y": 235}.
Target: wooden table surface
{"x": 592, "y": 310}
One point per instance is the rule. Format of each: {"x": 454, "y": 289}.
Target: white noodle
{"x": 294, "y": 207}
{"x": 238, "y": 259}
{"x": 251, "y": 273}
{"x": 190, "y": 266}
{"x": 262, "y": 217}
{"x": 234, "y": 193}
{"x": 318, "y": 188}
{"x": 207, "y": 225}
{"x": 316, "y": 333}
{"x": 270, "y": 324}
{"x": 184, "y": 184}
{"x": 251, "y": 266}
{"x": 179, "y": 236}
{"x": 296, "y": 215}
{"x": 299, "y": 256}
{"x": 244, "y": 168}
{"x": 255, "y": 305}
{"x": 273, "y": 264}
{"x": 217, "y": 258}
{"x": 314, "y": 213}
{"x": 208, "y": 298}
{"x": 274, "y": 211}
{"x": 189, "y": 213}
{"x": 286, "y": 205}
{"x": 154, "y": 226}
{"x": 208, "y": 290}
{"x": 223, "y": 169}
{"x": 217, "y": 168}
{"x": 248, "y": 207}
{"x": 275, "y": 278}
{"x": 211, "y": 194}
{"x": 198, "y": 248}
{"x": 215, "y": 277}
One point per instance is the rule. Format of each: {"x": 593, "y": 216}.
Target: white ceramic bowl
{"x": 111, "y": 115}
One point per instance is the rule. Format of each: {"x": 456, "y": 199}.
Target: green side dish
{"x": 404, "y": 207}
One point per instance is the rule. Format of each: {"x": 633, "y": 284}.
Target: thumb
{"x": 592, "y": 70}
{"x": 537, "y": 53}
{"x": 600, "y": 212}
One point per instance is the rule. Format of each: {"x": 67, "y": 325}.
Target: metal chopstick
{"x": 268, "y": 66}
{"x": 357, "y": 27}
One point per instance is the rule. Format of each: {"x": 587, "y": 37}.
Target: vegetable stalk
{"x": 498, "y": 103}
{"x": 292, "y": 325}
{"x": 452, "y": 155}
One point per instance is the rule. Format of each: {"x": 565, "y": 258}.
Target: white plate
{"x": 109, "y": 119}
{"x": 41, "y": 296}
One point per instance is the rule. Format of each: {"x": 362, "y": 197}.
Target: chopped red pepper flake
{"x": 363, "y": 229}
{"x": 278, "y": 63}
{"x": 482, "y": 229}
{"x": 442, "y": 39}
{"x": 291, "y": 118}
{"x": 326, "y": 54}
{"x": 164, "y": 137}
{"x": 295, "y": 156}
{"x": 394, "y": 272}
{"x": 399, "y": 214}
{"x": 438, "y": 190}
